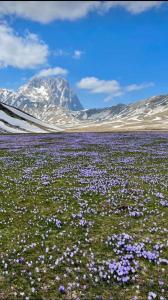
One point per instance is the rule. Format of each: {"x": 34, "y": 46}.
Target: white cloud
{"x": 134, "y": 7}
{"x": 61, "y": 52}
{"x": 110, "y": 88}
{"x": 136, "y": 87}
{"x": 74, "y": 54}
{"x": 52, "y": 71}
{"x": 77, "y": 54}
{"x": 21, "y": 52}
{"x": 97, "y": 86}
{"x": 48, "y": 11}
{"x": 137, "y": 7}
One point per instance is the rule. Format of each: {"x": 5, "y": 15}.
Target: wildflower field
{"x": 84, "y": 216}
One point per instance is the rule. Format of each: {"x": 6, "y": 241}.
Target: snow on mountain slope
{"x": 52, "y": 101}
{"x": 100, "y": 114}
{"x": 15, "y": 121}
{"x": 49, "y": 99}
{"x": 53, "y": 91}
{"x": 148, "y": 114}
{"x": 49, "y": 91}
{"x": 7, "y": 96}
{"x": 145, "y": 108}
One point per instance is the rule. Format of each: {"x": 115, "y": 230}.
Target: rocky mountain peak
{"x": 53, "y": 91}
{"x": 50, "y": 82}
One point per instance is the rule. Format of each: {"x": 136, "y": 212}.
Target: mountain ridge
{"x": 51, "y": 100}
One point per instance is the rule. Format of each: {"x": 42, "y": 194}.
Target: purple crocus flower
{"x": 62, "y": 289}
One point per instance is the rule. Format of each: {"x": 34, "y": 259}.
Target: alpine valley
{"x": 47, "y": 104}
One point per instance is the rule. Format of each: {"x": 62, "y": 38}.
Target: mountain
{"x": 48, "y": 99}
{"x": 13, "y": 120}
{"x": 53, "y": 91}
{"x": 148, "y": 114}
{"x": 52, "y": 101}
{"x": 100, "y": 114}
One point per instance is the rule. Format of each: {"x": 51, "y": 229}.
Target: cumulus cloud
{"x": 21, "y": 52}
{"x": 110, "y": 88}
{"x": 48, "y": 11}
{"x": 52, "y": 71}
{"x": 97, "y": 86}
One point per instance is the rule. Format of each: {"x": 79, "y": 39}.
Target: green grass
{"x": 26, "y": 204}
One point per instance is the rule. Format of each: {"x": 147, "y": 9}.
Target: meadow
{"x": 84, "y": 216}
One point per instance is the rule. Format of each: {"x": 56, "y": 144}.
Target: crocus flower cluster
{"x": 83, "y": 216}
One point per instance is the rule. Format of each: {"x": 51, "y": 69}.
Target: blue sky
{"x": 110, "y": 53}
